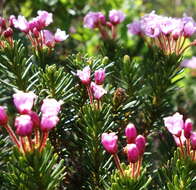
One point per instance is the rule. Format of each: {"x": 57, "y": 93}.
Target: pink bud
{"x": 50, "y": 107}
{"x": 8, "y": 33}
{"x": 24, "y": 125}
{"x": 99, "y": 76}
{"x": 140, "y": 142}
{"x": 109, "y": 141}
{"x": 48, "y": 122}
{"x": 97, "y": 90}
{"x": 174, "y": 124}
{"x": 131, "y": 133}
{"x": 132, "y": 153}
{"x": 188, "y": 126}
{"x": 60, "y": 35}
{"x": 3, "y": 116}
{"x": 35, "y": 118}
{"x": 84, "y": 75}
{"x": 24, "y": 101}
{"x": 193, "y": 140}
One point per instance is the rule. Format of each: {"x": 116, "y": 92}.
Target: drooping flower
{"x": 48, "y": 38}
{"x": 130, "y": 133}
{"x": 24, "y": 101}
{"x": 174, "y": 124}
{"x": 99, "y": 76}
{"x": 180, "y": 138}
{"x": 116, "y": 16}
{"x": 44, "y": 18}
{"x": 189, "y": 29}
{"x": 188, "y": 126}
{"x": 3, "y": 116}
{"x": 132, "y": 153}
{"x": 60, "y": 35}
{"x": 189, "y": 63}
{"x": 48, "y": 122}
{"x": 24, "y": 125}
{"x": 84, "y": 75}
{"x": 193, "y": 140}
{"x": 135, "y": 28}
{"x": 98, "y": 91}
{"x": 21, "y": 23}
{"x": 109, "y": 141}
{"x": 140, "y": 142}
{"x": 50, "y": 107}
{"x": 93, "y": 19}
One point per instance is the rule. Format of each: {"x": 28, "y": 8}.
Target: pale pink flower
{"x": 60, "y": 35}
{"x": 24, "y": 101}
{"x": 98, "y": 91}
{"x": 48, "y": 122}
{"x": 116, "y": 16}
{"x": 181, "y": 137}
{"x": 189, "y": 63}
{"x": 21, "y": 23}
{"x": 24, "y": 125}
{"x": 84, "y": 75}
{"x": 135, "y": 28}
{"x": 48, "y": 38}
{"x": 99, "y": 76}
{"x": 44, "y": 18}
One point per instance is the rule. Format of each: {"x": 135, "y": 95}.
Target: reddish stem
{"x": 188, "y": 146}
{"x": 181, "y": 147}
{"x": 23, "y": 144}
{"x": 89, "y": 94}
{"x": 44, "y": 140}
{"x": 12, "y": 135}
{"x": 117, "y": 162}
{"x": 37, "y": 139}
{"x": 30, "y": 143}
{"x": 138, "y": 167}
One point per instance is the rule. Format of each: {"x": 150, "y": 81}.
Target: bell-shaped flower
{"x": 188, "y": 126}
{"x": 116, "y": 16}
{"x": 60, "y": 35}
{"x": 48, "y": 122}
{"x": 48, "y": 38}
{"x": 130, "y": 133}
{"x": 24, "y": 125}
{"x": 134, "y": 28}
{"x": 174, "y": 124}
{"x": 21, "y": 23}
{"x": 85, "y": 75}
{"x": 189, "y": 29}
{"x": 24, "y": 101}
{"x": 180, "y": 138}
{"x": 140, "y": 142}
{"x": 132, "y": 153}
{"x": 109, "y": 141}
{"x": 193, "y": 140}
{"x": 3, "y": 116}
{"x": 44, "y": 18}
{"x": 99, "y": 76}
{"x": 98, "y": 91}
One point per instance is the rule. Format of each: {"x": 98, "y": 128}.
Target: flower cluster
{"x": 183, "y": 135}
{"x": 36, "y": 32}
{"x": 27, "y": 121}
{"x": 167, "y": 33}
{"x": 134, "y": 149}
{"x": 97, "y": 20}
{"x": 94, "y": 89}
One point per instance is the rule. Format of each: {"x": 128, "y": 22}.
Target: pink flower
{"x": 174, "y": 124}
{"x": 93, "y": 19}
{"x": 189, "y": 63}
{"x": 131, "y": 133}
{"x": 8, "y": 33}
{"x": 24, "y": 101}
{"x": 140, "y": 142}
{"x": 132, "y": 153}
{"x": 48, "y": 122}
{"x": 21, "y": 23}
{"x": 109, "y": 141}
{"x": 60, "y": 35}
{"x": 35, "y": 118}
{"x": 84, "y": 75}
{"x": 189, "y": 29}
{"x": 50, "y": 107}
{"x": 97, "y": 90}
{"x": 11, "y": 20}
{"x": 116, "y": 17}
{"x": 99, "y": 76}
{"x": 193, "y": 140}
{"x": 44, "y": 18}
{"x": 48, "y": 38}
{"x": 24, "y": 125}
{"x": 135, "y": 28}
{"x": 182, "y": 138}
{"x": 167, "y": 25}
{"x": 188, "y": 126}
{"x": 3, "y": 116}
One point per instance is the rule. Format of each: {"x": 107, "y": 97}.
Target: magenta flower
{"x": 130, "y": 133}
{"x": 135, "y": 28}
{"x": 50, "y": 107}
{"x": 3, "y": 116}
{"x": 193, "y": 140}
{"x": 35, "y": 118}
{"x": 24, "y": 125}
{"x": 188, "y": 126}
{"x": 116, "y": 16}
{"x": 174, "y": 124}
{"x": 189, "y": 63}
{"x": 98, "y": 91}
{"x": 24, "y": 101}
{"x": 182, "y": 138}
{"x": 140, "y": 142}
{"x": 21, "y": 23}
{"x": 109, "y": 141}
{"x": 48, "y": 38}
{"x": 48, "y": 122}
{"x": 93, "y": 19}
{"x": 85, "y": 75}
{"x": 44, "y": 18}
{"x": 60, "y": 35}
{"x": 99, "y": 76}
{"x": 132, "y": 153}
{"x": 11, "y": 20}
{"x": 8, "y": 33}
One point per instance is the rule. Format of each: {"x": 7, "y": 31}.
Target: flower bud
{"x": 84, "y": 75}
{"x": 193, "y": 140}
{"x": 109, "y": 141}
{"x": 99, "y": 76}
{"x": 35, "y": 118}
{"x": 3, "y": 116}
{"x": 188, "y": 126}
{"x": 24, "y": 101}
{"x": 48, "y": 122}
{"x": 130, "y": 133}
{"x": 8, "y": 33}
{"x": 140, "y": 142}
{"x": 132, "y": 153}
{"x": 24, "y": 125}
